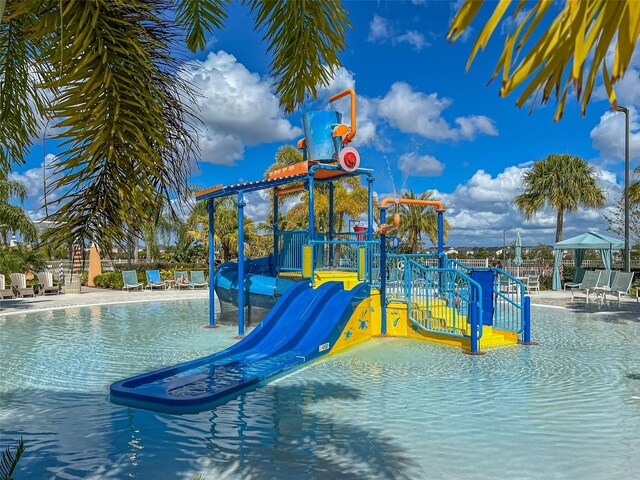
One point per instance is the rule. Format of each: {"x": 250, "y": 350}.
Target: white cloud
{"x": 414, "y": 165}
{"x": 237, "y": 108}
{"x": 609, "y": 136}
{"x": 382, "y": 30}
{"x": 481, "y": 209}
{"x": 510, "y": 23}
{"x": 417, "y": 112}
{"x": 32, "y": 179}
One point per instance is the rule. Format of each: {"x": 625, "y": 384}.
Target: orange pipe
{"x": 284, "y": 190}
{"x": 348, "y": 91}
{"x": 384, "y": 229}
{"x": 407, "y": 201}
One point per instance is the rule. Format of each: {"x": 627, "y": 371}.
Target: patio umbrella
{"x": 517, "y": 261}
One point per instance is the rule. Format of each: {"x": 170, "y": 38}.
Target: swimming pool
{"x": 391, "y": 408}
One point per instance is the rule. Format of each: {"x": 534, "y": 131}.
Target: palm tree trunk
{"x": 148, "y": 245}
{"x": 559, "y": 225}
{"x": 136, "y": 247}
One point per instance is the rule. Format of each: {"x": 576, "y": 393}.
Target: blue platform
{"x": 302, "y": 327}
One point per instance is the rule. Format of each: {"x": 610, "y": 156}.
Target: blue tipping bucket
{"x": 318, "y": 126}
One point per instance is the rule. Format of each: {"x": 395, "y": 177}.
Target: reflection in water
{"x": 272, "y": 433}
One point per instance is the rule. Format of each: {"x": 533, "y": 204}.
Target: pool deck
{"x": 95, "y": 296}
{"x": 100, "y": 296}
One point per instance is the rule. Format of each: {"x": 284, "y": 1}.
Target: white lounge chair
{"x": 533, "y": 283}
{"x": 589, "y": 283}
{"x": 620, "y": 286}
{"x": 4, "y": 291}
{"x": 19, "y": 284}
{"x": 182, "y": 279}
{"x": 197, "y": 279}
{"x": 154, "y": 280}
{"x": 130, "y": 280}
{"x": 45, "y": 279}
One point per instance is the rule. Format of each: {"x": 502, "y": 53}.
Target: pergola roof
{"x": 591, "y": 241}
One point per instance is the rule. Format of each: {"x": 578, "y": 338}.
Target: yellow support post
{"x": 307, "y": 261}
{"x": 362, "y": 262}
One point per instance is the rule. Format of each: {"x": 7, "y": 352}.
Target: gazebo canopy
{"x": 591, "y": 241}
{"x": 587, "y": 241}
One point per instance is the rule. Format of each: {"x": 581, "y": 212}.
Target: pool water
{"x": 389, "y": 409}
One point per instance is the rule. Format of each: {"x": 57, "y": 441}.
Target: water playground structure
{"x": 326, "y": 291}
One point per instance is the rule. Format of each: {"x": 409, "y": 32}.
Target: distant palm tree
{"x": 634, "y": 189}
{"x": 417, "y": 221}
{"x": 561, "y": 182}
{"x": 13, "y": 217}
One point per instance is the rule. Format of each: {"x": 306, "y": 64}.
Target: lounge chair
{"x": 4, "y": 291}
{"x": 578, "y": 280}
{"x": 197, "y": 279}
{"x": 182, "y": 279}
{"x": 589, "y": 283}
{"x": 620, "y": 285}
{"x": 45, "y": 279}
{"x": 532, "y": 283}
{"x": 154, "y": 280}
{"x": 19, "y": 284}
{"x": 604, "y": 279}
{"x": 130, "y": 280}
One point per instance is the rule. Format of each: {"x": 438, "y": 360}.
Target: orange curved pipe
{"x": 384, "y": 229}
{"x": 407, "y": 201}
{"x": 348, "y": 91}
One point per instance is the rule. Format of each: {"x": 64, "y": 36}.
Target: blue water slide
{"x": 302, "y": 327}
{"x": 263, "y": 289}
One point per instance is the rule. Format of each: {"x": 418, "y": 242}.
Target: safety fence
{"x": 359, "y": 256}
{"x": 443, "y": 301}
{"x": 508, "y": 297}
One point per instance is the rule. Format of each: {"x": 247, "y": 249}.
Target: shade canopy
{"x": 591, "y": 241}
{"x": 587, "y": 241}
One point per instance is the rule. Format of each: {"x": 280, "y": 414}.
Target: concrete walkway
{"x": 95, "y": 296}
{"x": 100, "y": 296}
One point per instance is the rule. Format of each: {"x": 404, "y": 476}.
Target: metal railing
{"x": 508, "y": 302}
{"x": 396, "y": 281}
{"x": 290, "y": 250}
{"x": 443, "y": 301}
{"x": 346, "y": 255}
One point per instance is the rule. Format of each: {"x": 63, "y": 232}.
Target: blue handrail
{"x": 508, "y": 302}
{"x": 440, "y": 301}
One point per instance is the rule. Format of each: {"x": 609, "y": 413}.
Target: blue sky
{"x": 423, "y": 123}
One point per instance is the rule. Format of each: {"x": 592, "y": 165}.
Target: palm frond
{"x": 9, "y": 461}
{"x": 200, "y": 17}
{"x": 126, "y": 133}
{"x": 20, "y": 100}
{"x": 305, "y": 38}
{"x": 546, "y": 55}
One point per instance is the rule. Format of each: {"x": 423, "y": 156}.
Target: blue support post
{"x": 474, "y": 320}
{"x": 370, "y": 224}
{"x": 441, "y": 232}
{"x": 241, "y": 204}
{"x": 276, "y": 253}
{"x": 312, "y": 219}
{"x": 526, "y": 318}
{"x": 331, "y": 221}
{"x": 212, "y": 258}
{"x": 383, "y": 274}
{"x": 473, "y": 313}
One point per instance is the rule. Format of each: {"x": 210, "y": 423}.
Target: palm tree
{"x": 562, "y": 182}
{"x": 634, "y": 189}
{"x": 540, "y": 50}
{"x": 119, "y": 101}
{"x": 13, "y": 217}
{"x": 417, "y": 221}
